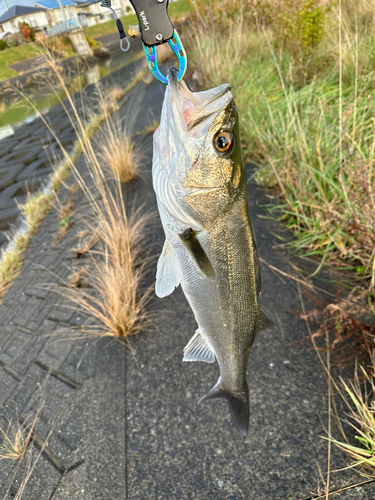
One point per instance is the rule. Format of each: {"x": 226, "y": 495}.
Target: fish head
{"x": 197, "y": 151}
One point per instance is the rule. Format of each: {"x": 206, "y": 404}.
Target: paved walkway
{"x": 125, "y": 424}
{"x": 28, "y": 156}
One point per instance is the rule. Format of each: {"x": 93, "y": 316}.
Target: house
{"x": 91, "y": 8}
{"x": 35, "y": 17}
{"x": 54, "y": 11}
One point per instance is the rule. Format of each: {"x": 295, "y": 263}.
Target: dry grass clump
{"x": 359, "y": 397}
{"x": 77, "y": 278}
{"x": 350, "y": 326}
{"x": 86, "y": 240}
{"x": 65, "y": 213}
{"x": 11, "y": 259}
{"x": 118, "y": 152}
{"x": 116, "y": 300}
{"x": 15, "y": 439}
{"x": 35, "y": 209}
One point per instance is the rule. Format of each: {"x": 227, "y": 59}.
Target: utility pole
{"x": 62, "y": 10}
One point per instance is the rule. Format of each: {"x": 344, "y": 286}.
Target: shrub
{"x": 3, "y": 45}
{"x": 93, "y": 43}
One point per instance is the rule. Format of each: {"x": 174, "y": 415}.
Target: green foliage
{"x": 300, "y": 27}
{"x": 20, "y": 53}
{"x": 3, "y": 45}
{"x": 320, "y": 165}
{"x": 6, "y": 73}
{"x": 62, "y": 45}
{"x": 93, "y": 43}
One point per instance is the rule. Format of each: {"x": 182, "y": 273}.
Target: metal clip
{"x": 177, "y": 47}
{"x": 134, "y": 30}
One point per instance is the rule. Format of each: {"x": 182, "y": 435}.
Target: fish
{"x": 200, "y": 184}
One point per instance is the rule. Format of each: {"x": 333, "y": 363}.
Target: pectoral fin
{"x": 198, "y": 349}
{"x": 167, "y": 276}
{"x": 196, "y": 251}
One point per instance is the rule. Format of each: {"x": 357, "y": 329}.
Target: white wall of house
{"x": 35, "y": 20}
{"x": 56, "y": 15}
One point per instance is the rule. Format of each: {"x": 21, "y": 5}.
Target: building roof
{"x": 53, "y": 4}
{"x": 18, "y": 10}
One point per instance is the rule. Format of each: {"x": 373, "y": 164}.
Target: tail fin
{"x": 238, "y": 404}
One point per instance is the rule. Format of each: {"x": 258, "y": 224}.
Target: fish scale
{"x": 200, "y": 185}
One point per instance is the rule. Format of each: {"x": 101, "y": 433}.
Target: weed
{"x": 77, "y": 278}
{"x": 312, "y": 136}
{"x": 360, "y": 394}
{"x": 118, "y": 152}
{"x": 14, "y": 440}
{"x": 65, "y": 213}
{"x": 35, "y": 209}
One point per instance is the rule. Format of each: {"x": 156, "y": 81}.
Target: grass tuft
{"x": 115, "y": 299}
{"x": 118, "y": 152}
{"x": 360, "y": 397}
{"x": 14, "y": 440}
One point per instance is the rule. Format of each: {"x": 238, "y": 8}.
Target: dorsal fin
{"x": 167, "y": 276}
{"x": 196, "y": 251}
{"x": 198, "y": 349}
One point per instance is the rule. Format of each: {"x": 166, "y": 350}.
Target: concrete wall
{"x": 79, "y": 42}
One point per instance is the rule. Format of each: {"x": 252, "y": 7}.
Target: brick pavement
{"x": 28, "y": 156}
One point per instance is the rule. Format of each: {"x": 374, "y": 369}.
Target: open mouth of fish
{"x": 195, "y": 108}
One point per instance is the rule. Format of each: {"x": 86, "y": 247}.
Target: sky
{"x": 3, "y": 7}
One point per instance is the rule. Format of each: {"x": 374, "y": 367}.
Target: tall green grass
{"x": 308, "y": 123}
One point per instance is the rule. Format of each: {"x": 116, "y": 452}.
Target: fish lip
{"x": 172, "y": 76}
{"x": 177, "y": 91}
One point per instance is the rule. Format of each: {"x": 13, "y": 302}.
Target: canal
{"x": 15, "y": 110}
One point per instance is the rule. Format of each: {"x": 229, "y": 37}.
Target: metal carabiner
{"x": 177, "y": 47}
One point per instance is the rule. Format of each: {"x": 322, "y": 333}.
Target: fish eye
{"x": 223, "y": 142}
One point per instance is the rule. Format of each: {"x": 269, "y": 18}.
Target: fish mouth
{"x": 195, "y": 108}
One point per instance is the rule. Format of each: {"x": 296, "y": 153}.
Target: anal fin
{"x": 198, "y": 349}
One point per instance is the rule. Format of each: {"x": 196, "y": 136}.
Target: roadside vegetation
{"x": 118, "y": 153}
{"x": 302, "y": 78}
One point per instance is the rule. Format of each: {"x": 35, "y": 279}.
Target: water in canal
{"x": 15, "y": 111}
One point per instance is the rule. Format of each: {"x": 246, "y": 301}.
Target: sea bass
{"x": 200, "y": 184}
